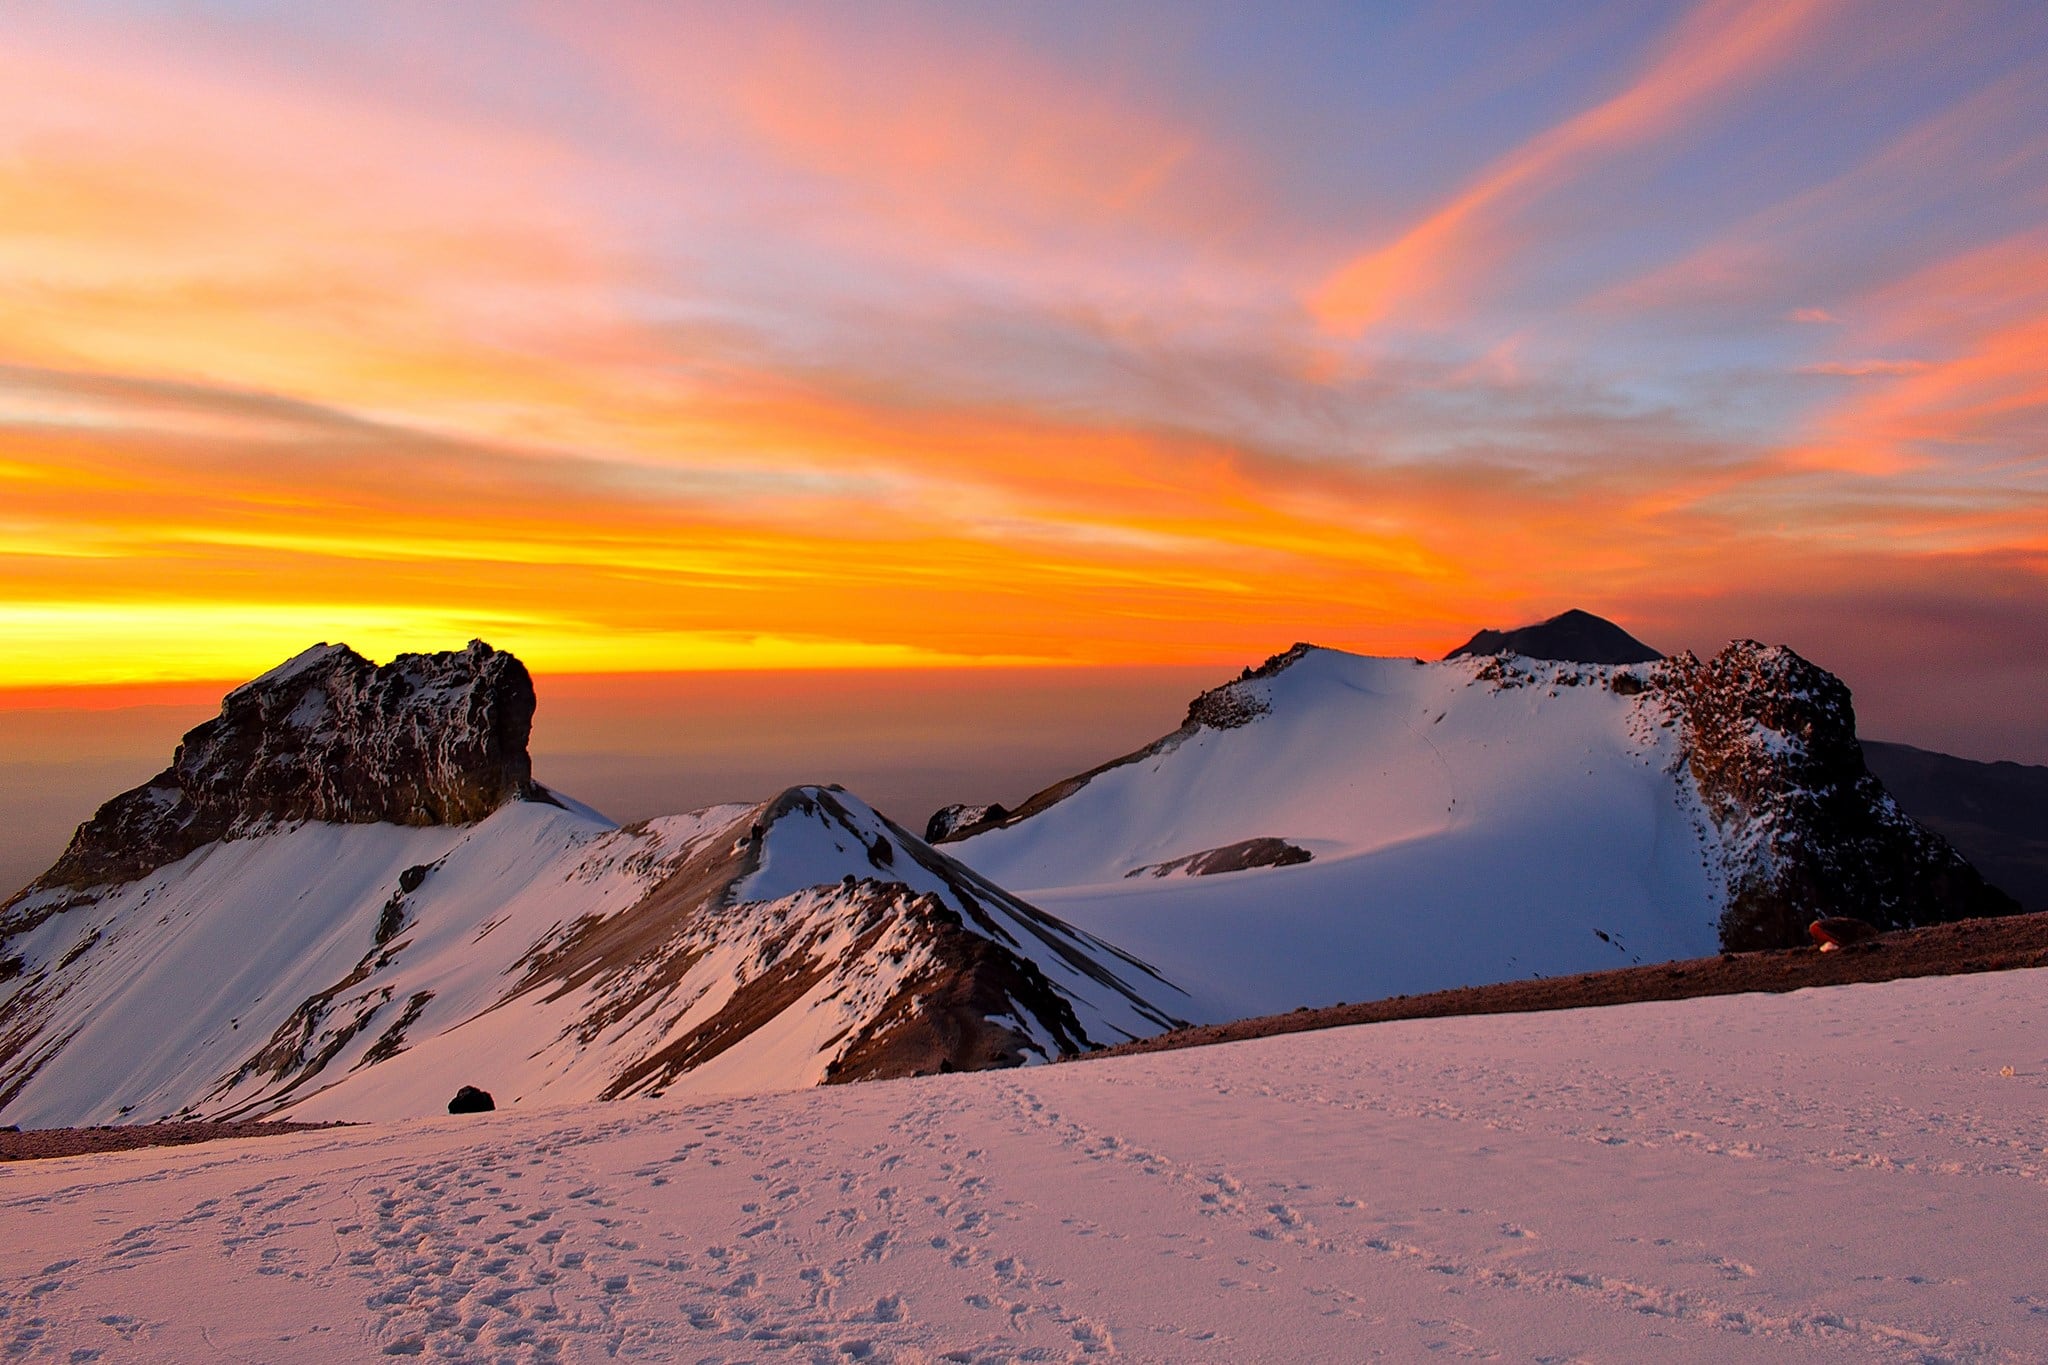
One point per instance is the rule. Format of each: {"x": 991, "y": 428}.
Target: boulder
{"x": 1841, "y": 931}
{"x": 470, "y": 1100}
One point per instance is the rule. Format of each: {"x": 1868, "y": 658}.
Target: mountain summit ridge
{"x": 347, "y": 897}
{"x": 1478, "y": 818}
{"x": 1569, "y": 637}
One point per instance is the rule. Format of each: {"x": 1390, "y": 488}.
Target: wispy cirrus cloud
{"x": 656, "y": 337}
{"x": 1710, "y": 55}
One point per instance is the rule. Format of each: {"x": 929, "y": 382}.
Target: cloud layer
{"x": 656, "y": 337}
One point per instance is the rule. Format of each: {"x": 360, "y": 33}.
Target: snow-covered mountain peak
{"x": 1332, "y": 826}
{"x": 815, "y": 836}
{"x": 369, "y": 969}
{"x": 427, "y": 739}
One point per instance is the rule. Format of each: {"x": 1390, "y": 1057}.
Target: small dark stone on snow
{"x": 470, "y": 1100}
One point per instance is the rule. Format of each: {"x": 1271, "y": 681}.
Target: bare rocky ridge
{"x": 44, "y": 1144}
{"x": 2007, "y": 943}
{"x": 427, "y": 739}
{"x": 1806, "y": 831}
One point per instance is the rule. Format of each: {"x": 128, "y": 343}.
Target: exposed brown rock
{"x": 1807, "y": 833}
{"x": 38, "y": 1144}
{"x": 945, "y": 1021}
{"x": 427, "y": 739}
{"x": 1241, "y": 856}
{"x": 1982, "y": 945}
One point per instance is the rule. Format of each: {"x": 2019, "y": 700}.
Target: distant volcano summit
{"x": 1577, "y": 637}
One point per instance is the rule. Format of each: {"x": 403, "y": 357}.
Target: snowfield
{"x": 1463, "y": 830}
{"x": 1829, "y": 1175}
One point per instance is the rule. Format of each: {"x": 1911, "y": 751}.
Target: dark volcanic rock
{"x": 948, "y": 821}
{"x": 1806, "y": 832}
{"x": 1574, "y": 637}
{"x": 2011, "y": 943}
{"x": 470, "y": 1100}
{"x": 427, "y": 739}
{"x": 1241, "y": 856}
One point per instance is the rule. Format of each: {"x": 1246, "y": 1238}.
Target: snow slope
{"x": 1666, "y": 1182}
{"x": 369, "y": 970}
{"x": 1462, "y": 831}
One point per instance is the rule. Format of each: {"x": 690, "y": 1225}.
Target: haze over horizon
{"x": 646, "y": 339}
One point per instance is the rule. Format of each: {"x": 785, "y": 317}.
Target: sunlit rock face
{"x": 1805, "y": 831}
{"x": 427, "y": 739}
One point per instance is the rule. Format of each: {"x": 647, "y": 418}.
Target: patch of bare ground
{"x": 36, "y": 1144}
{"x": 1977, "y": 945}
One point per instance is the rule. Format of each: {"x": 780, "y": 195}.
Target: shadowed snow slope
{"x": 1477, "y": 820}
{"x": 1666, "y": 1182}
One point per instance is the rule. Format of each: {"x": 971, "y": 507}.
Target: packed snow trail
{"x": 1828, "y": 1175}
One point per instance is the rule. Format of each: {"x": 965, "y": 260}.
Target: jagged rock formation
{"x": 1570, "y": 637}
{"x": 427, "y": 739}
{"x": 1805, "y": 831}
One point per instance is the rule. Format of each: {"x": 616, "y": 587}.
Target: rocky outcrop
{"x": 470, "y": 1100}
{"x": 427, "y": 739}
{"x": 1570, "y": 637}
{"x": 948, "y": 821}
{"x": 1805, "y": 831}
{"x": 1241, "y": 856}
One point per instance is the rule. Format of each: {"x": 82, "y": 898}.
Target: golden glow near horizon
{"x": 647, "y": 338}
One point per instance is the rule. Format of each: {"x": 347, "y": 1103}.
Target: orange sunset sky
{"x": 655, "y": 337}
